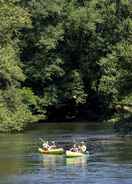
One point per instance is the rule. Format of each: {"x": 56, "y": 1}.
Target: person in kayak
{"x": 82, "y": 147}
{"x": 46, "y": 146}
{"x": 53, "y": 145}
{"x": 74, "y": 148}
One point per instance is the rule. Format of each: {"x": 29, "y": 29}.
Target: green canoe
{"x": 55, "y": 151}
{"x": 71, "y": 154}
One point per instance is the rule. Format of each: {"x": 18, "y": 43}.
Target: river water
{"x": 109, "y": 162}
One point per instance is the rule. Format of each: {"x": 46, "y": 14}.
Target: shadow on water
{"x": 110, "y": 159}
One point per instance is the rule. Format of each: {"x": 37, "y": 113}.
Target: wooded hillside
{"x": 64, "y": 59}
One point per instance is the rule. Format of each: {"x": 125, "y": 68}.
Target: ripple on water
{"x": 110, "y": 160}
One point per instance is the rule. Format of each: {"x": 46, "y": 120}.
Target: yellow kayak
{"x": 74, "y": 154}
{"x": 56, "y": 151}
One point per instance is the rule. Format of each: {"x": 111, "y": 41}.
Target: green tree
{"x": 74, "y": 55}
{"x": 116, "y": 79}
{"x": 14, "y": 113}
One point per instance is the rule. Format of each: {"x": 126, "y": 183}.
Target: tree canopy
{"x": 64, "y": 58}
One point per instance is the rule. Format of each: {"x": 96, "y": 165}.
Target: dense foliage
{"x": 65, "y": 59}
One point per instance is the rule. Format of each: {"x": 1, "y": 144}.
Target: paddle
{"x": 42, "y": 140}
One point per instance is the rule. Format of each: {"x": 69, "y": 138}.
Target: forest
{"x": 65, "y": 60}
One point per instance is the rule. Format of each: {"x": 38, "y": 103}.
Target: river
{"x": 109, "y": 160}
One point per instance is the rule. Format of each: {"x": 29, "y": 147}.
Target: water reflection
{"x": 52, "y": 161}
{"x": 78, "y": 161}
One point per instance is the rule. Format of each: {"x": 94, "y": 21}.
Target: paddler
{"x": 74, "y": 148}
{"x": 46, "y": 146}
{"x": 53, "y": 145}
{"x": 82, "y": 147}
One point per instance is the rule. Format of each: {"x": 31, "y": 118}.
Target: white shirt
{"x": 45, "y": 145}
{"x": 83, "y": 148}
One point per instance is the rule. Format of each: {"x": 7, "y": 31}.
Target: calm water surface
{"x": 110, "y": 160}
